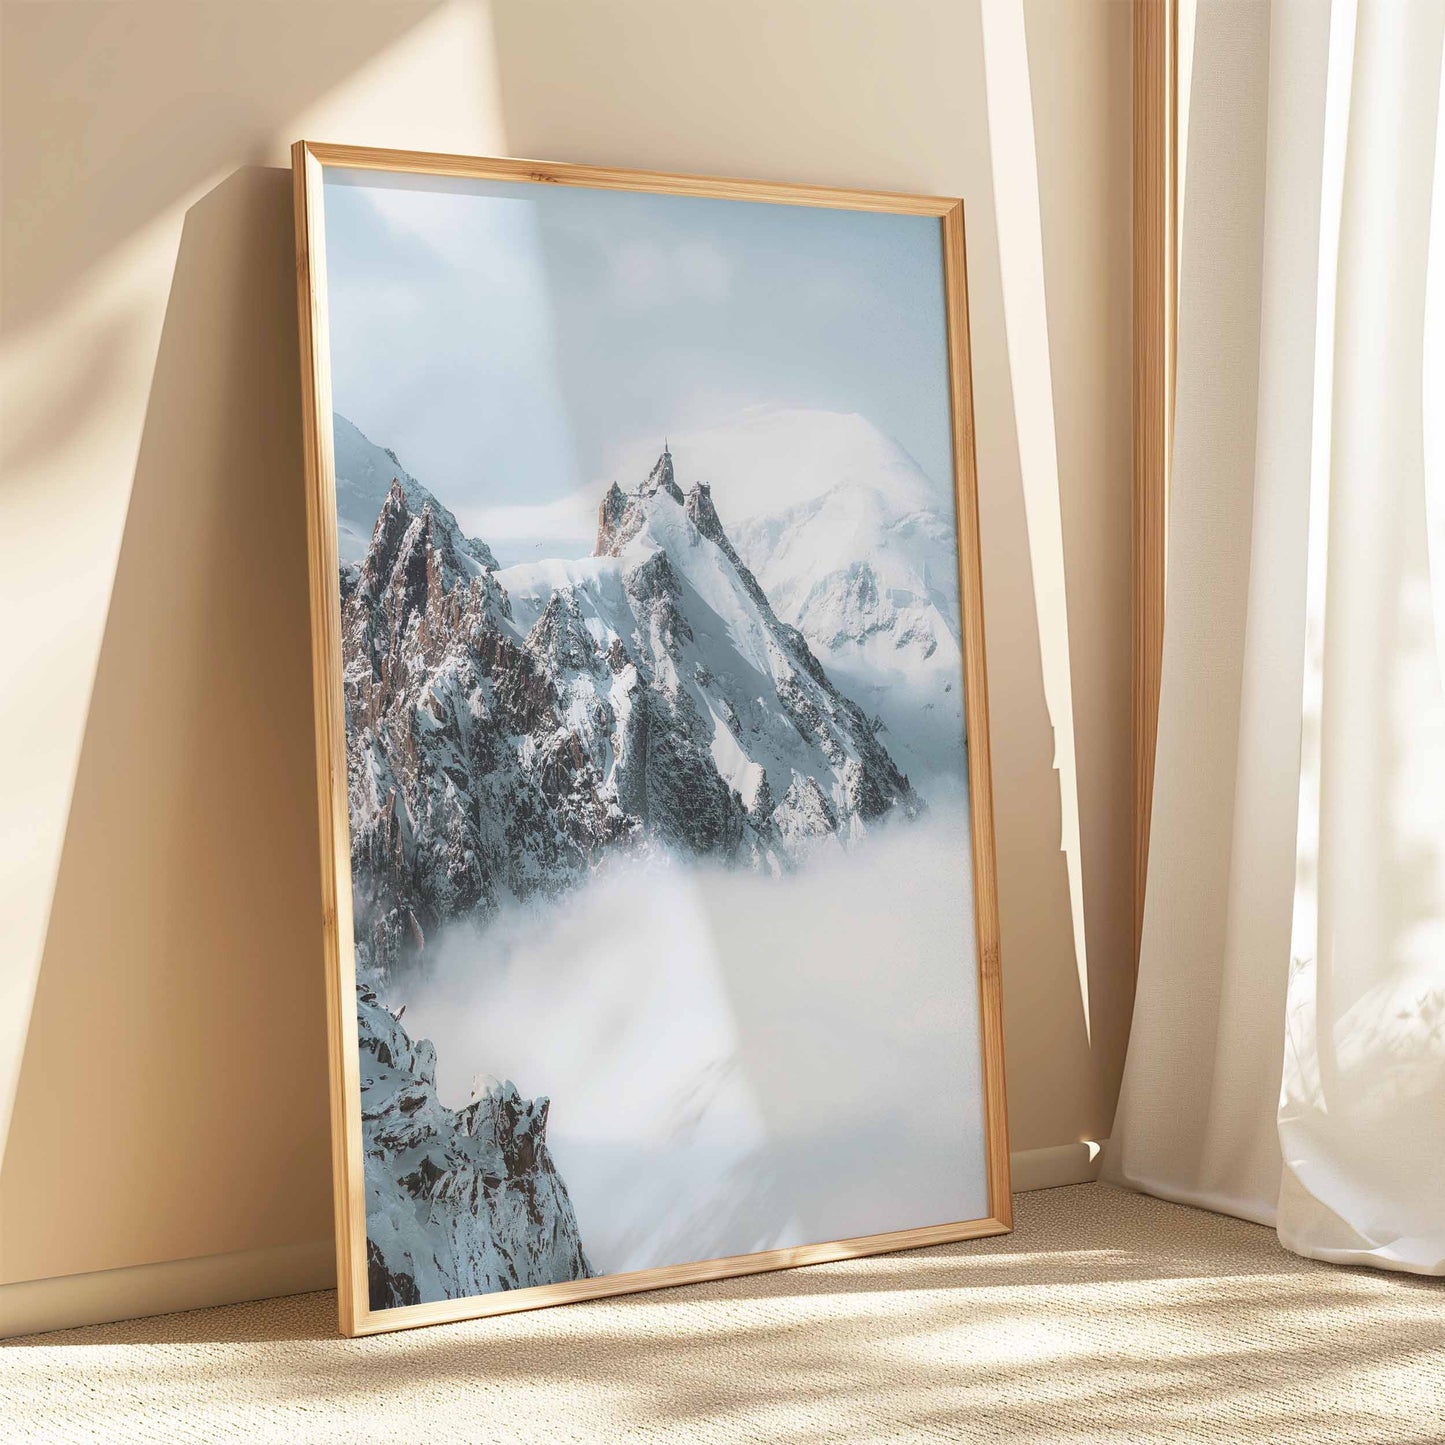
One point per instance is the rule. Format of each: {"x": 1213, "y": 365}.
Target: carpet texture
{"x": 1104, "y": 1316}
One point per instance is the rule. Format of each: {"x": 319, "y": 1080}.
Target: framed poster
{"x": 651, "y": 720}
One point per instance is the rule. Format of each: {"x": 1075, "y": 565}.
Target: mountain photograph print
{"x": 661, "y": 885}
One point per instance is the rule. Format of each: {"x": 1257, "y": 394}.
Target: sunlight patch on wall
{"x": 1021, "y": 259}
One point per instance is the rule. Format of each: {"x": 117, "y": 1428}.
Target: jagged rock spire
{"x": 700, "y": 509}
{"x": 621, "y": 515}
{"x": 386, "y": 538}
{"x": 610, "y": 516}
{"x": 661, "y": 479}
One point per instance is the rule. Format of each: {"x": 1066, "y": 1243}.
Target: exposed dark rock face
{"x": 610, "y": 519}
{"x": 458, "y": 1201}
{"x": 456, "y": 799}
{"x": 657, "y": 599}
{"x": 387, "y": 1290}
{"x": 492, "y": 756}
{"x": 703, "y": 515}
{"x": 805, "y": 814}
{"x": 364, "y": 474}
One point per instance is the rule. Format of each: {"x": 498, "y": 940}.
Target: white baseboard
{"x": 107, "y": 1295}
{"x": 1051, "y": 1168}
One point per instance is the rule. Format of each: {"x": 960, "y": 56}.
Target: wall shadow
{"x": 182, "y": 963}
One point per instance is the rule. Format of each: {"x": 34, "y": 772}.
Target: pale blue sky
{"x": 513, "y": 343}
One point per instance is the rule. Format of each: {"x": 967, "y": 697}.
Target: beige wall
{"x": 162, "y": 1003}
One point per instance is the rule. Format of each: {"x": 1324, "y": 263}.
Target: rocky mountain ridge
{"x": 365, "y": 473}
{"x": 506, "y": 729}
{"x": 458, "y": 1201}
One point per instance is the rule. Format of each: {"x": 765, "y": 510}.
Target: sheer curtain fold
{"x": 1287, "y": 1060}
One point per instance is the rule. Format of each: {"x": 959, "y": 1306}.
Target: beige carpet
{"x": 1105, "y": 1316}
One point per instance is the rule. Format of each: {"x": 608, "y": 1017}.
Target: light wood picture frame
{"x": 401, "y": 573}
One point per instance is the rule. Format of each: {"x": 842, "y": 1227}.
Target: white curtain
{"x": 1287, "y": 1059}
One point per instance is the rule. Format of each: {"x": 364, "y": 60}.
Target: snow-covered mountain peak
{"x": 868, "y": 572}
{"x": 414, "y": 571}
{"x": 365, "y": 474}
{"x": 622, "y": 516}
{"x": 663, "y": 519}
{"x": 507, "y": 729}
{"x": 666, "y": 654}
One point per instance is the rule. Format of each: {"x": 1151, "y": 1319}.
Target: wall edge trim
{"x": 1056, "y": 1166}
{"x": 105, "y": 1296}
